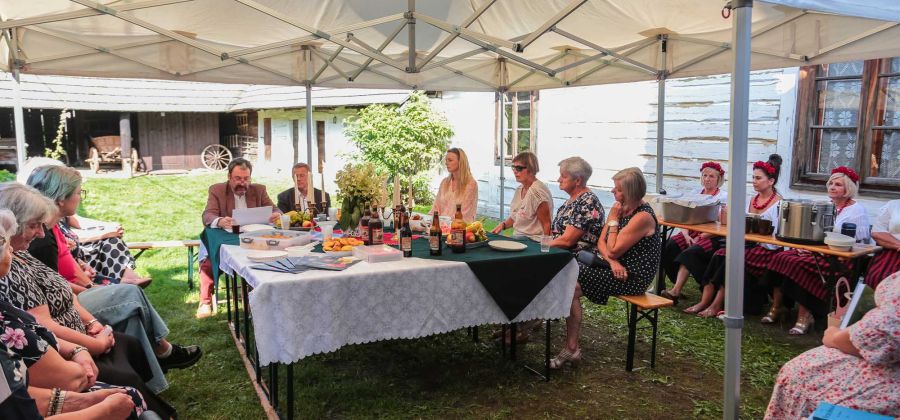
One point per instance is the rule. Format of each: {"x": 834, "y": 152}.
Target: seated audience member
{"x": 296, "y": 196}
{"x": 236, "y": 193}
{"x": 529, "y": 211}
{"x": 579, "y": 220}
{"x": 106, "y": 255}
{"x": 795, "y": 273}
{"x": 886, "y": 233}
{"x": 122, "y": 305}
{"x": 756, "y": 256}
{"x": 629, "y": 244}
{"x": 856, "y": 367}
{"x": 32, "y": 286}
{"x": 712, "y": 176}
{"x": 459, "y": 187}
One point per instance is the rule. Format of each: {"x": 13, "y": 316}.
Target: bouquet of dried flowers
{"x": 358, "y": 185}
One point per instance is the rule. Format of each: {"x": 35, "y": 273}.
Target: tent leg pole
{"x": 309, "y": 125}
{"x": 661, "y": 116}
{"x": 19, "y": 118}
{"x": 501, "y": 96}
{"x": 734, "y": 289}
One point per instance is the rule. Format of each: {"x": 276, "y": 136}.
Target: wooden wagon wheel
{"x": 94, "y": 159}
{"x": 216, "y": 157}
{"x": 135, "y": 161}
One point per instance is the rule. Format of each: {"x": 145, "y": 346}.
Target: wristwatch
{"x": 613, "y": 225}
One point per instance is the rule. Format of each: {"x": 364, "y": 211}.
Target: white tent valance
{"x": 470, "y": 45}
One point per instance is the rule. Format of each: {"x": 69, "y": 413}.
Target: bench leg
{"x": 190, "y": 268}
{"x": 632, "y": 331}
{"x": 654, "y": 317}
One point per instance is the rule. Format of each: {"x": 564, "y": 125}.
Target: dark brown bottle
{"x": 364, "y": 226}
{"x": 376, "y": 228}
{"x": 436, "y": 236}
{"x": 398, "y": 221}
{"x": 458, "y": 232}
{"x": 405, "y": 236}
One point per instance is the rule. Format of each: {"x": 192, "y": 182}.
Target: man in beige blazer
{"x": 237, "y": 193}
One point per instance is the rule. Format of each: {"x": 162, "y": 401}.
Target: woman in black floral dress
{"x": 630, "y": 244}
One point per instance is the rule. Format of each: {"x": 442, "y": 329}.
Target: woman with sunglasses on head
{"x": 459, "y": 187}
{"x": 529, "y": 211}
{"x": 795, "y": 273}
{"x": 756, "y": 256}
{"x": 712, "y": 176}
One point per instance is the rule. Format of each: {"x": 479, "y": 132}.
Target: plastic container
{"x": 676, "y": 213}
{"x": 377, "y": 253}
{"x": 274, "y": 239}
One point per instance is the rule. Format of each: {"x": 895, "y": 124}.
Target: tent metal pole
{"x": 19, "y": 118}
{"x": 737, "y": 188}
{"x": 411, "y": 31}
{"x": 309, "y": 110}
{"x": 661, "y": 115}
{"x": 501, "y": 98}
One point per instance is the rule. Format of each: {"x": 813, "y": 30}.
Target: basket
{"x": 676, "y": 213}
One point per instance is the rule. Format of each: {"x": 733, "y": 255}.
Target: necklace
{"x": 766, "y": 204}
{"x": 715, "y": 193}
{"x": 846, "y": 204}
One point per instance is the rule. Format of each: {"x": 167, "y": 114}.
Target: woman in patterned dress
{"x": 796, "y": 273}
{"x": 756, "y": 256}
{"x": 105, "y": 258}
{"x": 856, "y": 367}
{"x": 886, "y": 233}
{"x": 630, "y": 244}
{"x": 712, "y": 176}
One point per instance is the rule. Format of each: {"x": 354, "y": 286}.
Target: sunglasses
{"x": 519, "y": 168}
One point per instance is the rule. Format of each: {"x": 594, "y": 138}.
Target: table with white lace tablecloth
{"x": 298, "y": 315}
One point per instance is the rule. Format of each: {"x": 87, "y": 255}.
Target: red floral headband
{"x": 846, "y": 171}
{"x": 766, "y": 167}
{"x": 713, "y": 165}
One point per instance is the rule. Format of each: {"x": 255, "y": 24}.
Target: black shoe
{"x": 181, "y": 357}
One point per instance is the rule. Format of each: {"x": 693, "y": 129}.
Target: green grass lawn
{"x": 440, "y": 376}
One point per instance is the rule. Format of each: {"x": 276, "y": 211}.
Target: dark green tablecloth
{"x": 213, "y": 239}
{"x": 512, "y": 278}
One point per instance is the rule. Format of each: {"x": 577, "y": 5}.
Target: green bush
{"x": 6, "y": 176}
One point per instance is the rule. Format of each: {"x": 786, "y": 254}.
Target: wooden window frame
{"x": 802, "y": 176}
{"x": 534, "y": 98}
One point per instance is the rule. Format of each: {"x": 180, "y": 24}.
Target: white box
{"x": 377, "y": 253}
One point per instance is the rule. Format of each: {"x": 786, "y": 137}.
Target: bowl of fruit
{"x": 299, "y": 221}
{"x": 475, "y": 235}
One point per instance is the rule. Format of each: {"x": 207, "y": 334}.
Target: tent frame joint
{"x": 733, "y": 322}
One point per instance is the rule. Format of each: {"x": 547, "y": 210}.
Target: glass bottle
{"x": 436, "y": 236}
{"x": 364, "y": 225}
{"x": 458, "y": 232}
{"x": 376, "y": 228}
{"x": 405, "y": 236}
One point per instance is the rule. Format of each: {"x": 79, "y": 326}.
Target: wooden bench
{"x": 639, "y": 307}
{"x": 189, "y": 244}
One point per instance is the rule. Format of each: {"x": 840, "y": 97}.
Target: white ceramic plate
{"x": 507, "y": 246}
{"x": 301, "y": 249}
{"x": 264, "y": 256}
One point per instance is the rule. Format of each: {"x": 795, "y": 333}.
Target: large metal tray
{"x": 677, "y": 213}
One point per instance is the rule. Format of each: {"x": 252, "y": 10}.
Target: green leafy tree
{"x": 407, "y": 141}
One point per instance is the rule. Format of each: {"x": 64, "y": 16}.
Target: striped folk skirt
{"x": 884, "y": 264}
{"x": 756, "y": 259}
{"x": 806, "y": 270}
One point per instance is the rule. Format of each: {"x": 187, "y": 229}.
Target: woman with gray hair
{"x": 578, "y": 221}
{"x": 103, "y": 260}
{"x": 42, "y": 292}
{"x": 629, "y": 248}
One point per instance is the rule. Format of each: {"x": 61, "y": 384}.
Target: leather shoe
{"x": 181, "y": 357}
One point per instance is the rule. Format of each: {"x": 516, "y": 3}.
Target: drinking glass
{"x": 327, "y": 230}
{"x": 332, "y": 213}
{"x": 865, "y": 237}
{"x": 545, "y": 243}
{"x": 285, "y": 222}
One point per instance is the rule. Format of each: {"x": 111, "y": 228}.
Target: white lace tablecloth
{"x": 298, "y": 315}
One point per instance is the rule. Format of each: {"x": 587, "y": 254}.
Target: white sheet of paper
{"x": 250, "y": 216}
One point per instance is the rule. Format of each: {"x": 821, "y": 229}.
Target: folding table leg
{"x": 654, "y": 320}
{"x": 547, "y": 353}
{"x": 632, "y": 331}
{"x": 290, "y": 391}
{"x": 512, "y": 341}
{"x": 190, "y": 268}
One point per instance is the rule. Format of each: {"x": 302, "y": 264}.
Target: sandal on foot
{"x": 671, "y": 296}
{"x": 692, "y": 310}
{"x": 801, "y": 327}
{"x": 566, "y": 357}
{"x": 708, "y": 313}
{"x": 775, "y": 313}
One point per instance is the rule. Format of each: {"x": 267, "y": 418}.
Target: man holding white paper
{"x": 299, "y": 195}
{"x": 223, "y": 199}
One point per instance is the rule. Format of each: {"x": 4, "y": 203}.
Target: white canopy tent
{"x": 463, "y": 45}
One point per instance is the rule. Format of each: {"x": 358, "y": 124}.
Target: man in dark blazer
{"x": 237, "y": 193}
{"x": 287, "y": 199}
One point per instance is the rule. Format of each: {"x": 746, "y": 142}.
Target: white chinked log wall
{"x": 615, "y": 126}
